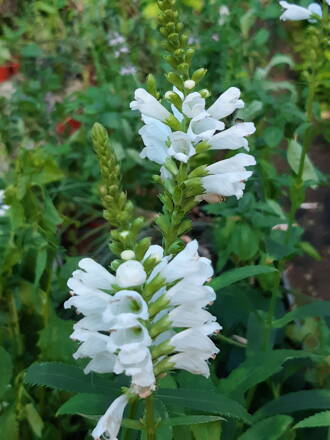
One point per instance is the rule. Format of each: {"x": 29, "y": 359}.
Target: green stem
{"x": 15, "y": 324}
{"x": 131, "y": 415}
{"x": 269, "y": 320}
{"x": 230, "y": 341}
{"x": 150, "y": 423}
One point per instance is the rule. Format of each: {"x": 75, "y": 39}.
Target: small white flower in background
{"x": 115, "y": 39}
{"x": 295, "y": 12}
{"x": 128, "y": 70}
{"x": 226, "y": 177}
{"x": 149, "y": 106}
{"x": 223, "y": 13}
{"x": 3, "y": 207}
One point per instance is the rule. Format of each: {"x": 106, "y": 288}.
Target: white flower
{"x": 148, "y": 105}
{"x": 125, "y": 308}
{"x": 154, "y": 135}
{"x": 184, "y": 264}
{"x": 3, "y": 208}
{"x": 226, "y": 104}
{"x": 131, "y": 273}
{"x": 109, "y": 424}
{"x": 227, "y": 176}
{"x": 190, "y": 315}
{"x": 193, "y": 105}
{"x": 93, "y": 275}
{"x": 193, "y": 361}
{"x": 196, "y": 339}
{"x": 233, "y": 138}
{"x": 155, "y": 251}
{"x": 187, "y": 291}
{"x": 136, "y": 334}
{"x": 203, "y": 127}
{"x": 223, "y": 13}
{"x": 181, "y": 147}
{"x": 295, "y": 12}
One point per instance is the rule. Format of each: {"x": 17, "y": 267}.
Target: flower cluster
{"x": 145, "y": 319}
{"x": 296, "y": 12}
{"x": 196, "y": 128}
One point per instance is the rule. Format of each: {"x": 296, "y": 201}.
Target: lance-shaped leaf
{"x": 235, "y": 275}
{"x": 317, "y": 308}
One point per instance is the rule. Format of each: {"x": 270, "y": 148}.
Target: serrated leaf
{"x": 293, "y": 155}
{"x": 209, "y": 431}
{"x": 86, "y": 404}
{"x": 235, "y": 275}
{"x": 201, "y": 401}
{"x": 272, "y": 428}
{"x": 68, "y": 378}
{"x": 315, "y": 421}
{"x": 257, "y": 369}
{"x": 6, "y": 370}
{"x": 193, "y": 420}
{"x": 317, "y": 308}
{"x": 297, "y": 401}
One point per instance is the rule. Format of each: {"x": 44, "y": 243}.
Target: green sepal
{"x": 185, "y": 226}
{"x": 174, "y": 79}
{"x": 198, "y": 172}
{"x": 202, "y": 147}
{"x": 141, "y": 248}
{"x": 115, "y": 264}
{"x": 173, "y": 123}
{"x": 199, "y": 74}
{"x": 171, "y": 166}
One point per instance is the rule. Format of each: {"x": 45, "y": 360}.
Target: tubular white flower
{"x": 3, "y": 208}
{"x": 109, "y": 424}
{"x": 233, "y": 138}
{"x": 155, "y": 251}
{"x": 227, "y": 176}
{"x": 148, "y": 105}
{"x": 183, "y": 264}
{"x": 93, "y": 274}
{"x": 202, "y": 127}
{"x": 125, "y": 308}
{"x": 190, "y": 315}
{"x": 196, "y": 339}
{"x": 193, "y": 361}
{"x": 295, "y": 12}
{"x": 136, "y": 334}
{"x": 154, "y": 135}
{"x": 193, "y": 105}
{"x": 131, "y": 273}
{"x": 226, "y": 104}
{"x": 181, "y": 147}
{"x": 186, "y": 291}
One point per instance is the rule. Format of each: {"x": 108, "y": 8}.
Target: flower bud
{"x": 204, "y": 93}
{"x": 172, "y": 122}
{"x": 152, "y": 86}
{"x": 199, "y": 74}
{"x": 174, "y": 99}
{"x": 189, "y": 84}
{"x": 127, "y": 255}
{"x": 174, "y": 79}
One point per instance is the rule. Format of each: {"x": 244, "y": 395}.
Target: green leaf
{"x": 209, "y": 431}
{"x": 193, "y": 420}
{"x": 68, "y": 378}
{"x": 257, "y": 369}
{"x": 317, "y": 308}
{"x": 315, "y": 421}
{"x": 272, "y": 428}
{"x": 273, "y": 136}
{"x": 293, "y": 155}
{"x": 34, "y": 419}
{"x": 297, "y": 401}
{"x": 235, "y": 275}
{"x": 204, "y": 401}
{"x": 6, "y": 370}
{"x": 54, "y": 340}
{"x": 86, "y": 404}
{"x": 310, "y": 250}
{"x": 164, "y": 429}
{"x": 9, "y": 425}
{"x": 40, "y": 265}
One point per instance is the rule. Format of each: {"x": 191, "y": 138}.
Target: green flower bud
{"x": 142, "y": 247}
{"x": 194, "y": 186}
{"x": 174, "y": 99}
{"x": 170, "y": 165}
{"x": 173, "y": 123}
{"x": 174, "y": 79}
{"x": 199, "y": 74}
{"x": 198, "y": 172}
{"x": 152, "y": 86}
{"x": 205, "y": 93}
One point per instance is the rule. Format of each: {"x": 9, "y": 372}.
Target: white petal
{"x": 148, "y": 105}
{"x": 229, "y": 184}
{"x": 127, "y": 306}
{"x": 294, "y": 12}
{"x": 202, "y": 127}
{"x": 109, "y": 424}
{"x": 191, "y": 361}
{"x": 190, "y": 315}
{"x": 133, "y": 335}
{"x": 154, "y": 135}
{"x": 181, "y": 147}
{"x": 95, "y": 344}
{"x": 155, "y": 251}
{"x": 131, "y": 273}
{"x": 188, "y": 291}
{"x": 233, "y": 138}
{"x": 183, "y": 264}
{"x": 193, "y": 105}
{"x": 101, "y": 363}
{"x": 235, "y": 163}
{"x": 95, "y": 275}
{"x": 226, "y": 104}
